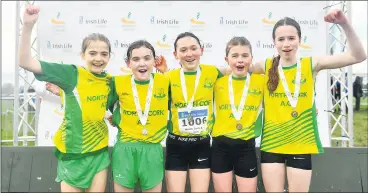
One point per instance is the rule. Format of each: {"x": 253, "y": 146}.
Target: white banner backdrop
{"x": 63, "y": 25}
{"x": 52, "y": 110}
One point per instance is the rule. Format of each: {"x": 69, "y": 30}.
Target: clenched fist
{"x": 336, "y": 16}
{"x": 30, "y": 15}
{"x": 160, "y": 64}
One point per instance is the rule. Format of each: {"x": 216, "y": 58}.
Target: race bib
{"x": 199, "y": 122}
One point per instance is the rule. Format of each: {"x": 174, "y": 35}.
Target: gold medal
{"x": 239, "y": 126}
{"x": 144, "y": 131}
{"x": 294, "y": 114}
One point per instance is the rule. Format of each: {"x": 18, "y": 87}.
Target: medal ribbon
{"x": 238, "y": 113}
{"x": 184, "y": 88}
{"x": 142, "y": 117}
{"x": 292, "y": 99}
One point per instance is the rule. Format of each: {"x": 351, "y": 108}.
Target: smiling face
{"x": 141, "y": 62}
{"x": 239, "y": 59}
{"x": 96, "y": 56}
{"x": 286, "y": 36}
{"x": 188, "y": 51}
{"x": 287, "y": 41}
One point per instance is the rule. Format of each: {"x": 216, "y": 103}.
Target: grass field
{"x": 7, "y": 123}
{"x": 360, "y": 125}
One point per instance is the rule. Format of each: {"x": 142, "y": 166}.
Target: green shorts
{"x": 80, "y": 172}
{"x": 135, "y": 161}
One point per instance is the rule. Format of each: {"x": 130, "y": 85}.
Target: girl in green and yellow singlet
{"x": 140, "y": 115}
{"x": 238, "y": 99}
{"x": 191, "y": 117}
{"x": 290, "y": 134}
{"x": 82, "y": 139}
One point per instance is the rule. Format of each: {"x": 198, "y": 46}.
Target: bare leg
{"x": 298, "y": 179}
{"x": 273, "y": 175}
{"x": 223, "y": 182}
{"x": 175, "y": 180}
{"x": 199, "y": 180}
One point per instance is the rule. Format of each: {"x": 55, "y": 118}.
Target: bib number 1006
{"x": 196, "y": 121}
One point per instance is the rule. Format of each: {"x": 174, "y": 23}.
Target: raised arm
{"x": 356, "y": 52}
{"x": 24, "y": 53}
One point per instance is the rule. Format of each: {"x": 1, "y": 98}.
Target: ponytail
{"x": 273, "y": 75}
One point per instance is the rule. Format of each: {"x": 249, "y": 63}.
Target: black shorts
{"x": 187, "y": 152}
{"x": 234, "y": 154}
{"x": 300, "y": 161}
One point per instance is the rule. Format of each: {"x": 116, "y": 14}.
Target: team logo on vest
{"x": 208, "y": 83}
{"x": 303, "y": 79}
{"x": 254, "y": 91}
{"x": 159, "y": 93}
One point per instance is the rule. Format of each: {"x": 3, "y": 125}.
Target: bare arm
{"x": 356, "y": 51}
{"x": 24, "y": 52}
{"x": 225, "y": 70}
{"x": 258, "y": 67}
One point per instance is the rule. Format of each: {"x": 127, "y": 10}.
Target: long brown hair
{"x": 273, "y": 75}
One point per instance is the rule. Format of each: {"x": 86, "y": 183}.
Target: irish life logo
{"x": 307, "y": 22}
{"x": 121, "y": 44}
{"x": 197, "y": 24}
{"x": 197, "y": 21}
{"x": 238, "y": 22}
{"x": 128, "y": 23}
{"x": 127, "y": 20}
{"x": 96, "y": 22}
{"x": 57, "y": 23}
{"x": 304, "y": 44}
{"x": 264, "y": 45}
{"x": 57, "y": 20}
{"x": 167, "y": 22}
{"x": 64, "y": 46}
{"x": 268, "y": 20}
{"x": 163, "y": 42}
{"x": 207, "y": 46}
